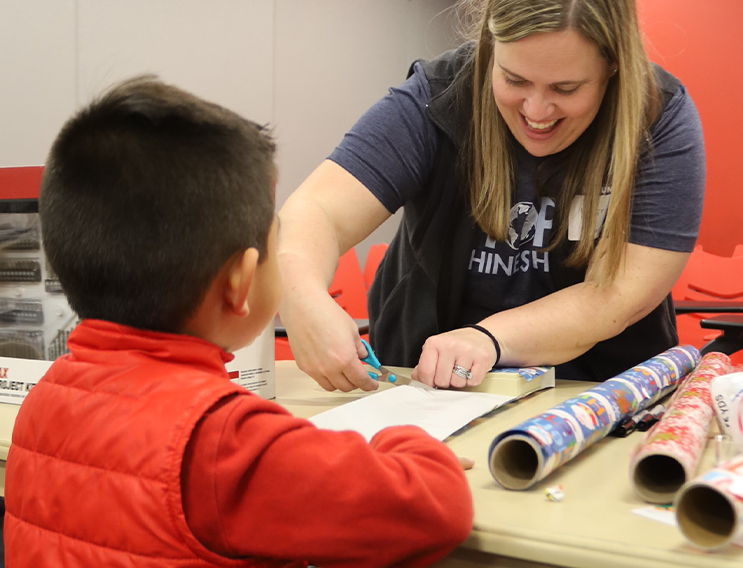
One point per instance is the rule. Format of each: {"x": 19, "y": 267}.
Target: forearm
{"x": 567, "y": 323}
{"x": 404, "y": 501}
{"x": 560, "y": 327}
{"x": 308, "y": 249}
{"x": 401, "y": 498}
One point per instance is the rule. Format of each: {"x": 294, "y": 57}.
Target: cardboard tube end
{"x": 516, "y": 462}
{"x": 657, "y": 478}
{"x": 706, "y": 516}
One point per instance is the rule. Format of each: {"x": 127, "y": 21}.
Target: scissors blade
{"x": 400, "y": 379}
{"x": 392, "y": 377}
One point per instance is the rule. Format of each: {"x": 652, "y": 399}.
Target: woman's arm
{"x": 327, "y": 215}
{"x": 666, "y": 211}
{"x": 558, "y": 327}
{"x": 385, "y": 158}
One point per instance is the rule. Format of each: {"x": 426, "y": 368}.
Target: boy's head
{"x": 148, "y": 195}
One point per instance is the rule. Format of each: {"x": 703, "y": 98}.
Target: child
{"x": 135, "y": 449}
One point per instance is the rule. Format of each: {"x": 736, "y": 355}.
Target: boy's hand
{"x": 466, "y": 463}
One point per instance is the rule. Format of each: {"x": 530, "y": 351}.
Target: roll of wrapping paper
{"x": 668, "y": 456}
{"x": 523, "y": 455}
{"x": 709, "y": 509}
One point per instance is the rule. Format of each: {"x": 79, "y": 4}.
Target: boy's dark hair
{"x": 146, "y": 194}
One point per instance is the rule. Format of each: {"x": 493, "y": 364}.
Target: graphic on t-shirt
{"x": 528, "y": 231}
{"x": 575, "y": 222}
{"x": 522, "y": 224}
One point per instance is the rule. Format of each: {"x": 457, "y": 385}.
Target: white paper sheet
{"x": 667, "y": 516}
{"x": 438, "y": 412}
{"x": 663, "y": 515}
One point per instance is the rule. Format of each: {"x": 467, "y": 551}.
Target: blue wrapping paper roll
{"x": 523, "y": 455}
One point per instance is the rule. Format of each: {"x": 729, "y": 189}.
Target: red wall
{"x": 20, "y": 183}
{"x": 701, "y": 42}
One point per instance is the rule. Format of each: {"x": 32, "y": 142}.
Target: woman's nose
{"x": 537, "y": 107}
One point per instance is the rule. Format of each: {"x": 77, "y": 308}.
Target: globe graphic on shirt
{"x": 522, "y": 223}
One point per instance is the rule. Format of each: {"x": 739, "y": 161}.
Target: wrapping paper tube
{"x": 709, "y": 509}
{"x": 523, "y": 455}
{"x": 668, "y": 456}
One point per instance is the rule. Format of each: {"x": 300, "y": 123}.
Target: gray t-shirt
{"x": 392, "y": 148}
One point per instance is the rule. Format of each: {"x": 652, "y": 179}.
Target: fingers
{"x": 326, "y": 345}
{"x": 444, "y": 370}
{"x": 455, "y": 359}
{"x": 466, "y": 463}
{"x": 360, "y": 349}
{"x": 344, "y": 374}
{"x": 359, "y": 378}
{"x": 347, "y": 372}
{"x": 460, "y": 373}
{"x": 432, "y": 366}
{"x": 478, "y": 370}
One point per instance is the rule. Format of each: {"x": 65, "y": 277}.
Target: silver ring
{"x": 462, "y": 372}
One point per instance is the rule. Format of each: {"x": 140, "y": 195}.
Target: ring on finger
{"x": 462, "y": 372}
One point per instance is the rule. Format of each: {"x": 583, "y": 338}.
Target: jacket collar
{"x": 93, "y": 339}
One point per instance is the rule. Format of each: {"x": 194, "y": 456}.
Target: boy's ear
{"x": 239, "y": 279}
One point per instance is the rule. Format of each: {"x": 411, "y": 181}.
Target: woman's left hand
{"x": 462, "y": 350}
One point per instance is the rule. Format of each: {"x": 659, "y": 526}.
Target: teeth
{"x": 540, "y": 125}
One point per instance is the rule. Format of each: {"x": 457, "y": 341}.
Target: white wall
{"x": 37, "y": 76}
{"x": 334, "y": 59}
{"x": 310, "y": 68}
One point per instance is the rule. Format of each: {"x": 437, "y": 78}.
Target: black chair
{"x": 731, "y": 339}
{"x": 709, "y": 296}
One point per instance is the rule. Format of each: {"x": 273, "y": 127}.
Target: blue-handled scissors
{"x": 371, "y": 359}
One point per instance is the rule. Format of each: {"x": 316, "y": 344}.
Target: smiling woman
{"x": 548, "y": 88}
{"x": 552, "y": 181}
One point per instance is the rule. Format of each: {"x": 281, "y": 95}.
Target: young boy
{"x": 135, "y": 449}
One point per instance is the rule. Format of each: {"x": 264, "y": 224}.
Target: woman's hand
{"x": 467, "y": 348}
{"x": 326, "y": 344}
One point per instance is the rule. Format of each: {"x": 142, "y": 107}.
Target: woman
{"x": 552, "y": 180}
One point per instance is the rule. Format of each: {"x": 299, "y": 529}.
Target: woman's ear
{"x": 239, "y": 279}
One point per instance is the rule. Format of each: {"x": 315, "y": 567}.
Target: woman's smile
{"x": 540, "y": 130}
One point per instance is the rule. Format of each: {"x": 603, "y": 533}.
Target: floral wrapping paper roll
{"x": 709, "y": 509}
{"x": 668, "y": 455}
{"x": 523, "y": 455}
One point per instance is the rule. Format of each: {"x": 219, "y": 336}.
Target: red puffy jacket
{"x": 89, "y": 487}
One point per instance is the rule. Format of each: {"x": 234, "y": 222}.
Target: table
{"x": 593, "y": 527}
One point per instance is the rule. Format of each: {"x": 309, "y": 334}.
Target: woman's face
{"x": 548, "y": 87}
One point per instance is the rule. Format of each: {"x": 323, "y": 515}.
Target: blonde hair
{"x": 608, "y": 156}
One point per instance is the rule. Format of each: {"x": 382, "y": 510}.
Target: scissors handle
{"x": 371, "y": 359}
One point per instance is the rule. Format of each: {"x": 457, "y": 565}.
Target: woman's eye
{"x": 514, "y": 82}
{"x": 560, "y": 91}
